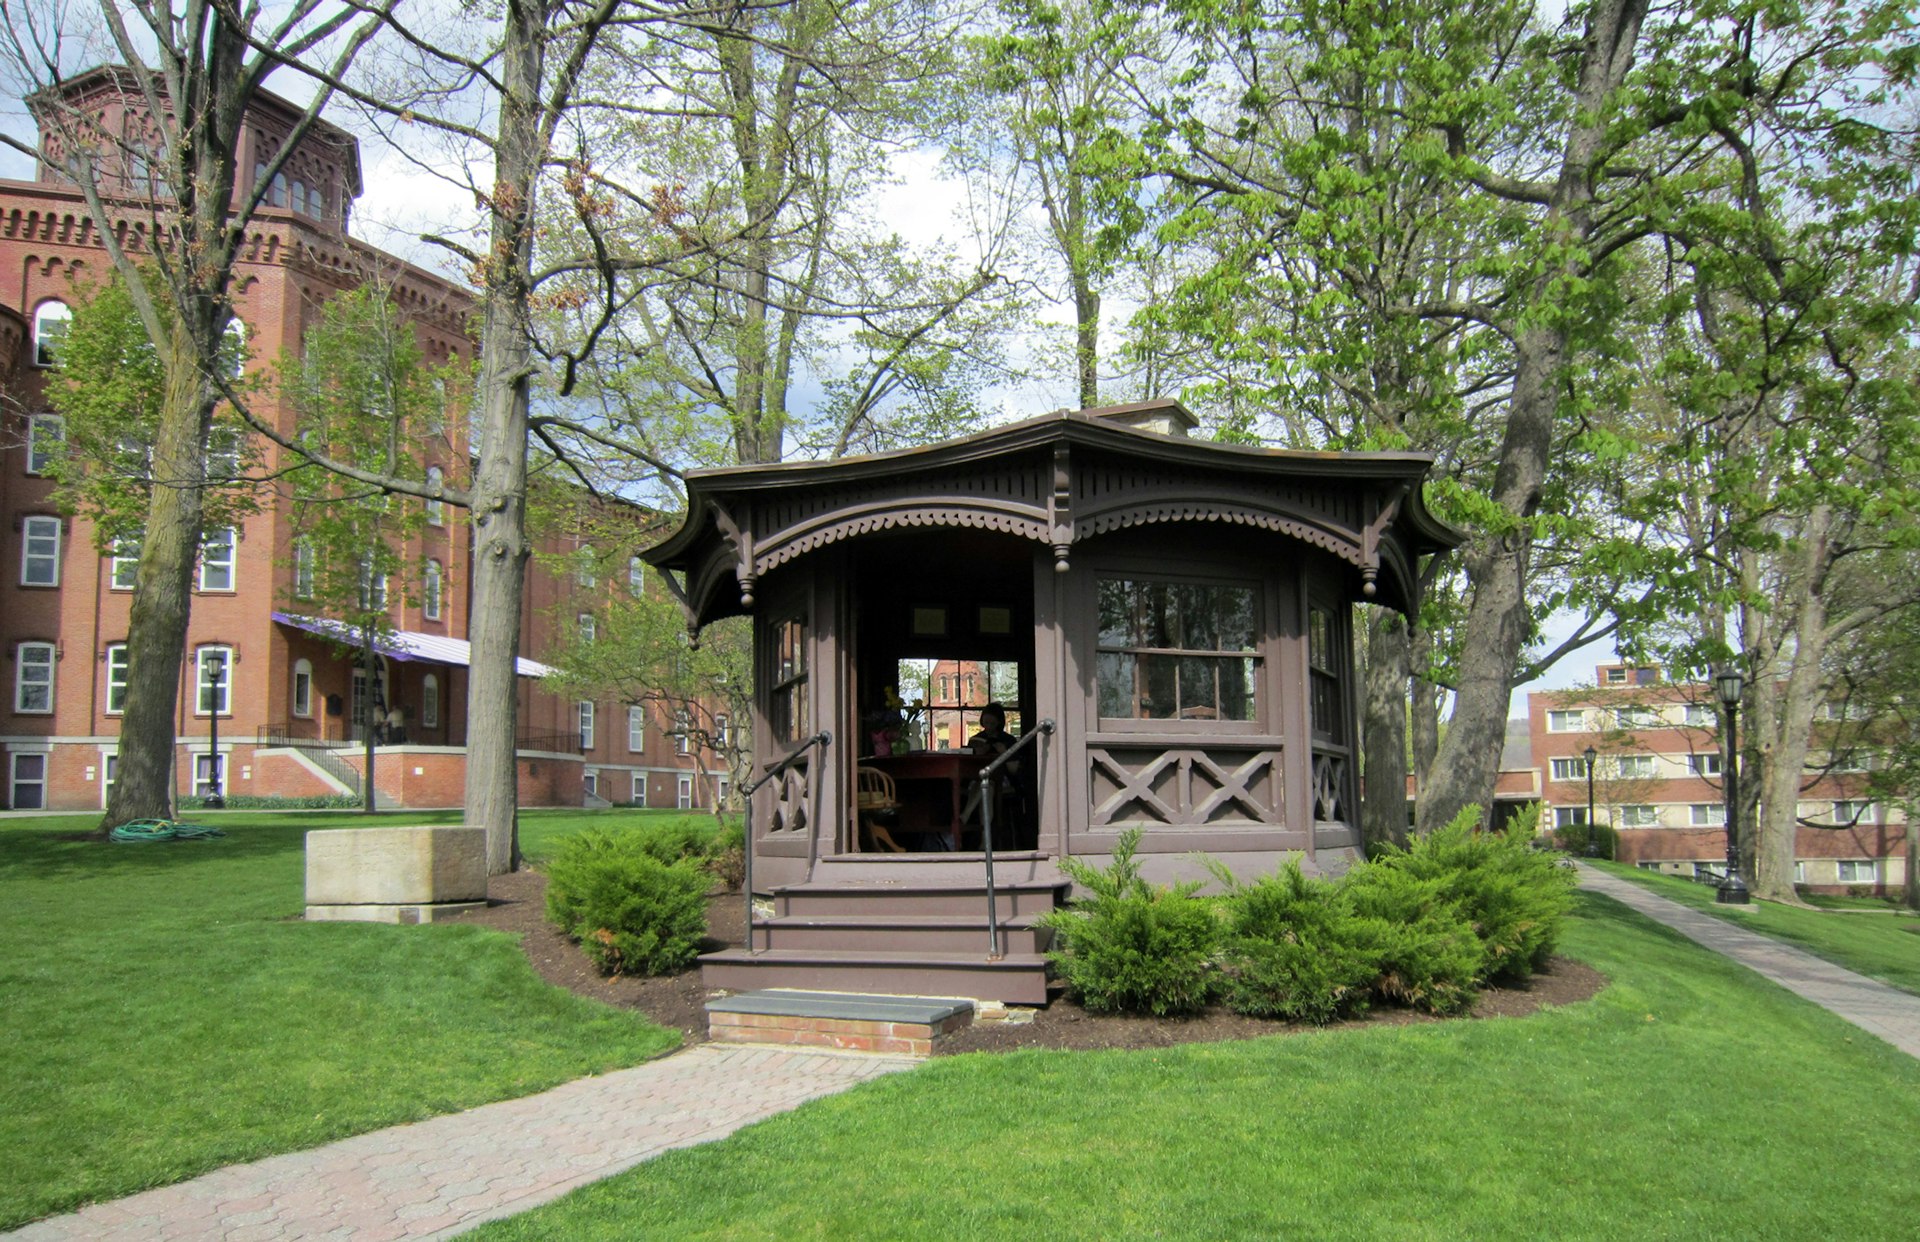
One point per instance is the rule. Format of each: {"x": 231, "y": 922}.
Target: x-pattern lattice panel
{"x": 1185, "y": 786}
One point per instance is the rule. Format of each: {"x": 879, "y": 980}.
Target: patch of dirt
{"x": 518, "y": 905}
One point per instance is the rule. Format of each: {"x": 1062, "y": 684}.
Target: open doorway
{"x": 942, "y": 633}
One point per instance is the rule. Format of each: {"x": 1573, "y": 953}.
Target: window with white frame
{"x": 204, "y": 766}
{"x": 1570, "y": 721}
{"x": 720, "y": 791}
{"x": 123, "y": 568}
{"x": 1640, "y": 815}
{"x": 1569, "y": 816}
{"x": 223, "y": 454}
{"x": 1616, "y": 677}
{"x": 1859, "y": 871}
{"x": 1704, "y": 764}
{"x": 117, "y": 670}
{"x": 722, "y": 731}
{"x": 636, "y": 728}
{"x": 46, "y": 436}
{"x": 33, "y": 678}
{"x": 1849, "y": 761}
{"x": 372, "y": 587}
{"x": 436, "y": 507}
{"x": 215, "y": 680}
{"x": 303, "y": 562}
{"x": 429, "y": 702}
{"x": 40, "y": 551}
{"x": 1853, "y": 811}
{"x": 682, "y": 733}
{"x": 29, "y": 784}
{"x": 639, "y": 794}
{"x": 1648, "y": 866}
{"x": 1700, "y": 716}
{"x": 1570, "y": 768}
{"x": 636, "y": 576}
{"x": 586, "y": 724}
{"x": 50, "y": 323}
{"x": 432, "y": 589}
{"x": 109, "y": 777}
{"x": 1709, "y": 870}
{"x": 302, "y": 688}
{"x": 1707, "y": 815}
{"x": 1636, "y": 767}
{"x": 1799, "y": 872}
{"x": 683, "y": 792}
{"x": 590, "y": 780}
{"x": 589, "y": 628}
{"x": 1635, "y": 717}
{"x": 216, "y": 560}
{"x": 585, "y": 573}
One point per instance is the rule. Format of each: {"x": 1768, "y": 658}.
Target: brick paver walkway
{"x": 436, "y": 1178}
{"x": 1872, "y": 1006}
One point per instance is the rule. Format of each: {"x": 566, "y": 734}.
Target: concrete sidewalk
{"x": 1872, "y": 1006}
{"x": 439, "y": 1177}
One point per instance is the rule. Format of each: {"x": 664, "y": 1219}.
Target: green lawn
{"x": 165, "y": 1011}
{"x": 1689, "y": 1100}
{"x": 1882, "y": 944}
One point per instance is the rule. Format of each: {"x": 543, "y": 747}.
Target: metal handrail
{"x": 1043, "y": 729}
{"x": 822, "y": 739}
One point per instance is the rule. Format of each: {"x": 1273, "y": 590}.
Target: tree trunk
{"x": 1499, "y": 617}
{"x": 162, "y": 597}
{"x": 1383, "y": 802}
{"x": 1776, "y": 832}
{"x": 500, "y": 545}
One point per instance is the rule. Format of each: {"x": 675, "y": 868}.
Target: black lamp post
{"x": 1593, "y": 829}
{"x": 1727, "y": 685}
{"x": 216, "y": 675}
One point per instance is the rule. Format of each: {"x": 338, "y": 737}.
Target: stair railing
{"x": 821, "y": 739}
{"x": 1043, "y": 729}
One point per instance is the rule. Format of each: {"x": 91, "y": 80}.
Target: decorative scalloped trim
{"x": 1217, "y": 511}
{"x": 1024, "y": 526}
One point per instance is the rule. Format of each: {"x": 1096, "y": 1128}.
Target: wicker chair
{"x": 876, "y": 800}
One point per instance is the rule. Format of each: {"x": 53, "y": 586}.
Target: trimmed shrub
{"x": 1130, "y": 946}
{"x": 1429, "y": 957}
{"x": 1294, "y": 949}
{"x": 1574, "y": 839}
{"x": 275, "y": 802}
{"x": 1515, "y": 898}
{"x": 632, "y": 911}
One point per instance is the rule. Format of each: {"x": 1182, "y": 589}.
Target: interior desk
{"x": 930, "y": 783}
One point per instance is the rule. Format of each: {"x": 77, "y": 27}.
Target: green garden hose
{"x": 140, "y": 831}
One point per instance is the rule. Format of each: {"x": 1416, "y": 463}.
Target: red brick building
{"x": 287, "y": 703}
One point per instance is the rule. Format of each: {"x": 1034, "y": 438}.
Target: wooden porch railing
{"x": 822, "y": 739}
{"x": 1043, "y": 729}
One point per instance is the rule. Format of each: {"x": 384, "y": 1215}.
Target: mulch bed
{"x": 518, "y": 905}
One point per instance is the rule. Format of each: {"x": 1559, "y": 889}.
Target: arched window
{"x": 429, "y": 702}
{"x": 233, "y": 347}
{"x": 431, "y": 591}
{"x": 299, "y": 196}
{"x": 50, "y": 323}
{"x": 303, "y": 688}
{"x": 436, "y": 508}
{"x": 303, "y": 564}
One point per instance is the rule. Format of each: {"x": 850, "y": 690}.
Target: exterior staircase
{"x": 897, "y": 937}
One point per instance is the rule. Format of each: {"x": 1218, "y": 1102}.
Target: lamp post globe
{"x": 1727, "y": 687}
{"x": 1593, "y": 829}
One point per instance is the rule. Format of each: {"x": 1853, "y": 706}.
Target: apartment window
{"x": 636, "y": 728}
{"x": 1185, "y": 651}
{"x": 1700, "y": 716}
{"x": 683, "y": 792}
{"x": 436, "y": 507}
{"x": 123, "y": 571}
{"x": 1704, "y": 764}
{"x": 429, "y": 702}
{"x": 583, "y": 568}
{"x": 1572, "y": 768}
{"x": 215, "y": 692}
{"x": 639, "y": 796}
{"x": 1648, "y": 866}
{"x": 216, "y": 560}
{"x": 303, "y": 560}
{"x": 372, "y": 587}
{"x": 589, "y": 630}
{"x": 117, "y": 669}
{"x": 1635, "y": 717}
{"x": 204, "y": 766}
{"x": 1566, "y": 721}
{"x": 1799, "y": 872}
{"x": 722, "y": 731}
{"x": 223, "y": 454}
{"x": 1616, "y": 677}
{"x": 1636, "y": 767}
{"x": 1639, "y": 816}
{"x": 50, "y": 323}
{"x": 591, "y": 782}
{"x": 636, "y": 576}
{"x": 1849, "y": 761}
{"x": 586, "y": 724}
{"x": 109, "y": 777}
{"x": 40, "y": 551}
{"x": 1709, "y": 871}
{"x": 430, "y": 592}
{"x": 302, "y": 688}
{"x": 33, "y": 678}
{"x": 46, "y": 436}
{"x": 1707, "y": 815}
{"x": 29, "y": 786}
{"x": 1852, "y": 870}
{"x": 682, "y": 734}
{"x": 1853, "y": 812}
{"x": 1569, "y": 816}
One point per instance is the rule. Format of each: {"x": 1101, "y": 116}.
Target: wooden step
{"x": 961, "y": 897}
{"x": 952, "y": 933}
{"x": 1017, "y": 978}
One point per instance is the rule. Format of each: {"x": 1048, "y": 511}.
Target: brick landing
{"x": 849, "y": 1021}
